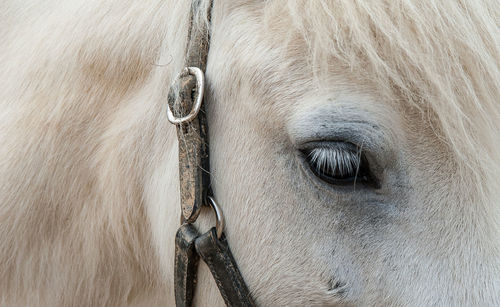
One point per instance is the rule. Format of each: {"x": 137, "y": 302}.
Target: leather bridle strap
{"x": 216, "y": 254}
{"x": 187, "y": 112}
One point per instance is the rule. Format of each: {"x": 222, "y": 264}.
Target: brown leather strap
{"x": 195, "y": 182}
{"x": 186, "y": 262}
{"x": 189, "y": 246}
{"x": 193, "y": 141}
{"x": 217, "y": 255}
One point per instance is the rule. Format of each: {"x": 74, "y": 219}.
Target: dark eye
{"x": 339, "y": 163}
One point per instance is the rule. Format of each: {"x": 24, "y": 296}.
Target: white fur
{"x": 88, "y": 168}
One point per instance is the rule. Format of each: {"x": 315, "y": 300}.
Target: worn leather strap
{"x": 195, "y": 181}
{"x": 186, "y": 264}
{"x": 217, "y": 255}
{"x": 189, "y": 246}
{"x": 193, "y": 141}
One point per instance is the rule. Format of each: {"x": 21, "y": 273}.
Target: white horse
{"x": 355, "y": 151}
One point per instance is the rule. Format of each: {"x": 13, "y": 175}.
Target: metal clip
{"x": 200, "y": 87}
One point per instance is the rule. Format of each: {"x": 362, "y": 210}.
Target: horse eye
{"x": 338, "y": 163}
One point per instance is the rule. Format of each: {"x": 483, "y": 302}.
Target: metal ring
{"x": 219, "y": 224}
{"x": 200, "y": 88}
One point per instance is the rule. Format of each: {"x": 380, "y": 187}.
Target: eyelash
{"x": 335, "y": 160}
{"x": 339, "y": 163}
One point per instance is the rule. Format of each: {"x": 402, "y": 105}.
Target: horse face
{"x": 333, "y": 193}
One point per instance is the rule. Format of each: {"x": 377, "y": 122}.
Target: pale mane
{"x": 82, "y": 129}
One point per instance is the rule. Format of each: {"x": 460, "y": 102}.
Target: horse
{"x": 354, "y": 151}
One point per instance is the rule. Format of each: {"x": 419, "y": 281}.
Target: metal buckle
{"x": 200, "y": 88}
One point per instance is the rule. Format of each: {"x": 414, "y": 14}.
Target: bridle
{"x": 187, "y": 112}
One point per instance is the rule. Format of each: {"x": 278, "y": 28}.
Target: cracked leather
{"x": 217, "y": 255}
{"x": 194, "y": 185}
{"x": 193, "y": 140}
{"x": 186, "y": 264}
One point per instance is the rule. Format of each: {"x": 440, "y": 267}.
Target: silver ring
{"x": 219, "y": 224}
{"x": 200, "y": 88}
